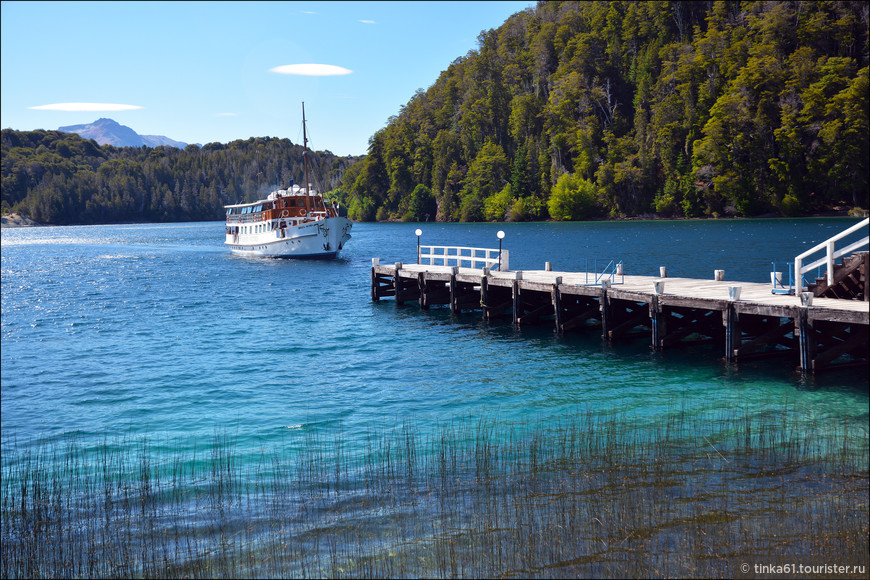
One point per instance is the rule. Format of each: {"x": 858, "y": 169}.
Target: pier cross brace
{"x": 814, "y": 337}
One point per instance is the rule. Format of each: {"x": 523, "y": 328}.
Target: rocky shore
{"x": 13, "y": 220}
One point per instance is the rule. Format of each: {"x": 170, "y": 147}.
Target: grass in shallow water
{"x": 580, "y": 496}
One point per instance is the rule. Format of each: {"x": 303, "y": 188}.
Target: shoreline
{"x": 14, "y": 220}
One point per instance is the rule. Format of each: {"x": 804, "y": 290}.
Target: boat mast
{"x": 305, "y": 160}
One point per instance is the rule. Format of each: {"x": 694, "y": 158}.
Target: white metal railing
{"x": 463, "y": 257}
{"x": 830, "y": 254}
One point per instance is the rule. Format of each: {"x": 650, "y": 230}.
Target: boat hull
{"x": 321, "y": 239}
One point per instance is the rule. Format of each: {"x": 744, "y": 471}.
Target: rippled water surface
{"x": 117, "y": 335}
{"x": 158, "y": 328}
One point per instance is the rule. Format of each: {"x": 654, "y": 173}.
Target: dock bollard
{"x": 663, "y": 272}
{"x": 619, "y": 269}
{"x": 548, "y": 266}
{"x": 376, "y": 261}
{"x": 719, "y": 275}
{"x": 806, "y": 298}
{"x": 659, "y": 286}
{"x": 734, "y": 293}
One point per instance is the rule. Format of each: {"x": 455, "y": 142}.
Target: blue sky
{"x": 201, "y": 72}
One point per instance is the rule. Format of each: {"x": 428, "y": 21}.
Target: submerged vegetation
{"x": 581, "y": 495}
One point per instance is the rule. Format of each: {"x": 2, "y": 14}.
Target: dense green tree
{"x": 680, "y": 108}
{"x": 495, "y": 206}
{"x": 60, "y": 178}
{"x": 487, "y": 175}
{"x": 573, "y": 198}
{"x": 520, "y": 186}
{"x": 422, "y": 206}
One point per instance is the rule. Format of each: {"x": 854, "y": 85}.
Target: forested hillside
{"x": 570, "y": 110}
{"x": 60, "y": 178}
{"x": 574, "y": 110}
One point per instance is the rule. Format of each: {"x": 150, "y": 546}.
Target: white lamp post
{"x": 419, "y": 233}
{"x": 500, "y": 236}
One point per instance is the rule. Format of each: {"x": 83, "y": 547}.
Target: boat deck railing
{"x": 244, "y": 218}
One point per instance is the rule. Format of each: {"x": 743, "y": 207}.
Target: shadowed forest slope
{"x": 59, "y": 178}
{"x": 567, "y": 111}
{"x": 573, "y": 110}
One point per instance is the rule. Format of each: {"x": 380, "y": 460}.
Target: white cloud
{"x": 307, "y": 12}
{"x": 367, "y": 21}
{"x": 311, "y": 70}
{"x": 86, "y": 107}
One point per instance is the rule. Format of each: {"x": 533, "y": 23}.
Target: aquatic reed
{"x": 580, "y": 495}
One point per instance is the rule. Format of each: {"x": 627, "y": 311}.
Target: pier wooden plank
{"x": 626, "y": 303}
{"x": 755, "y": 298}
{"x": 581, "y": 290}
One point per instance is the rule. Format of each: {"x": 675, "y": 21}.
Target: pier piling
{"x": 746, "y": 321}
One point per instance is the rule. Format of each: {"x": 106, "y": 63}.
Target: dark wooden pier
{"x": 743, "y": 320}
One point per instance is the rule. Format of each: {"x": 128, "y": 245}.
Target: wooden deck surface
{"x": 755, "y": 298}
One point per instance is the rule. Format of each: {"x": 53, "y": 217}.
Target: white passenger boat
{"x": 294, "y": 222}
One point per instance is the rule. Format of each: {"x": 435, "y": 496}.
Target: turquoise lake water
{"x": 159, "y": 330}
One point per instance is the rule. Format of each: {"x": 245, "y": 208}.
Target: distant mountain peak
{"x": 109, "y": 132}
